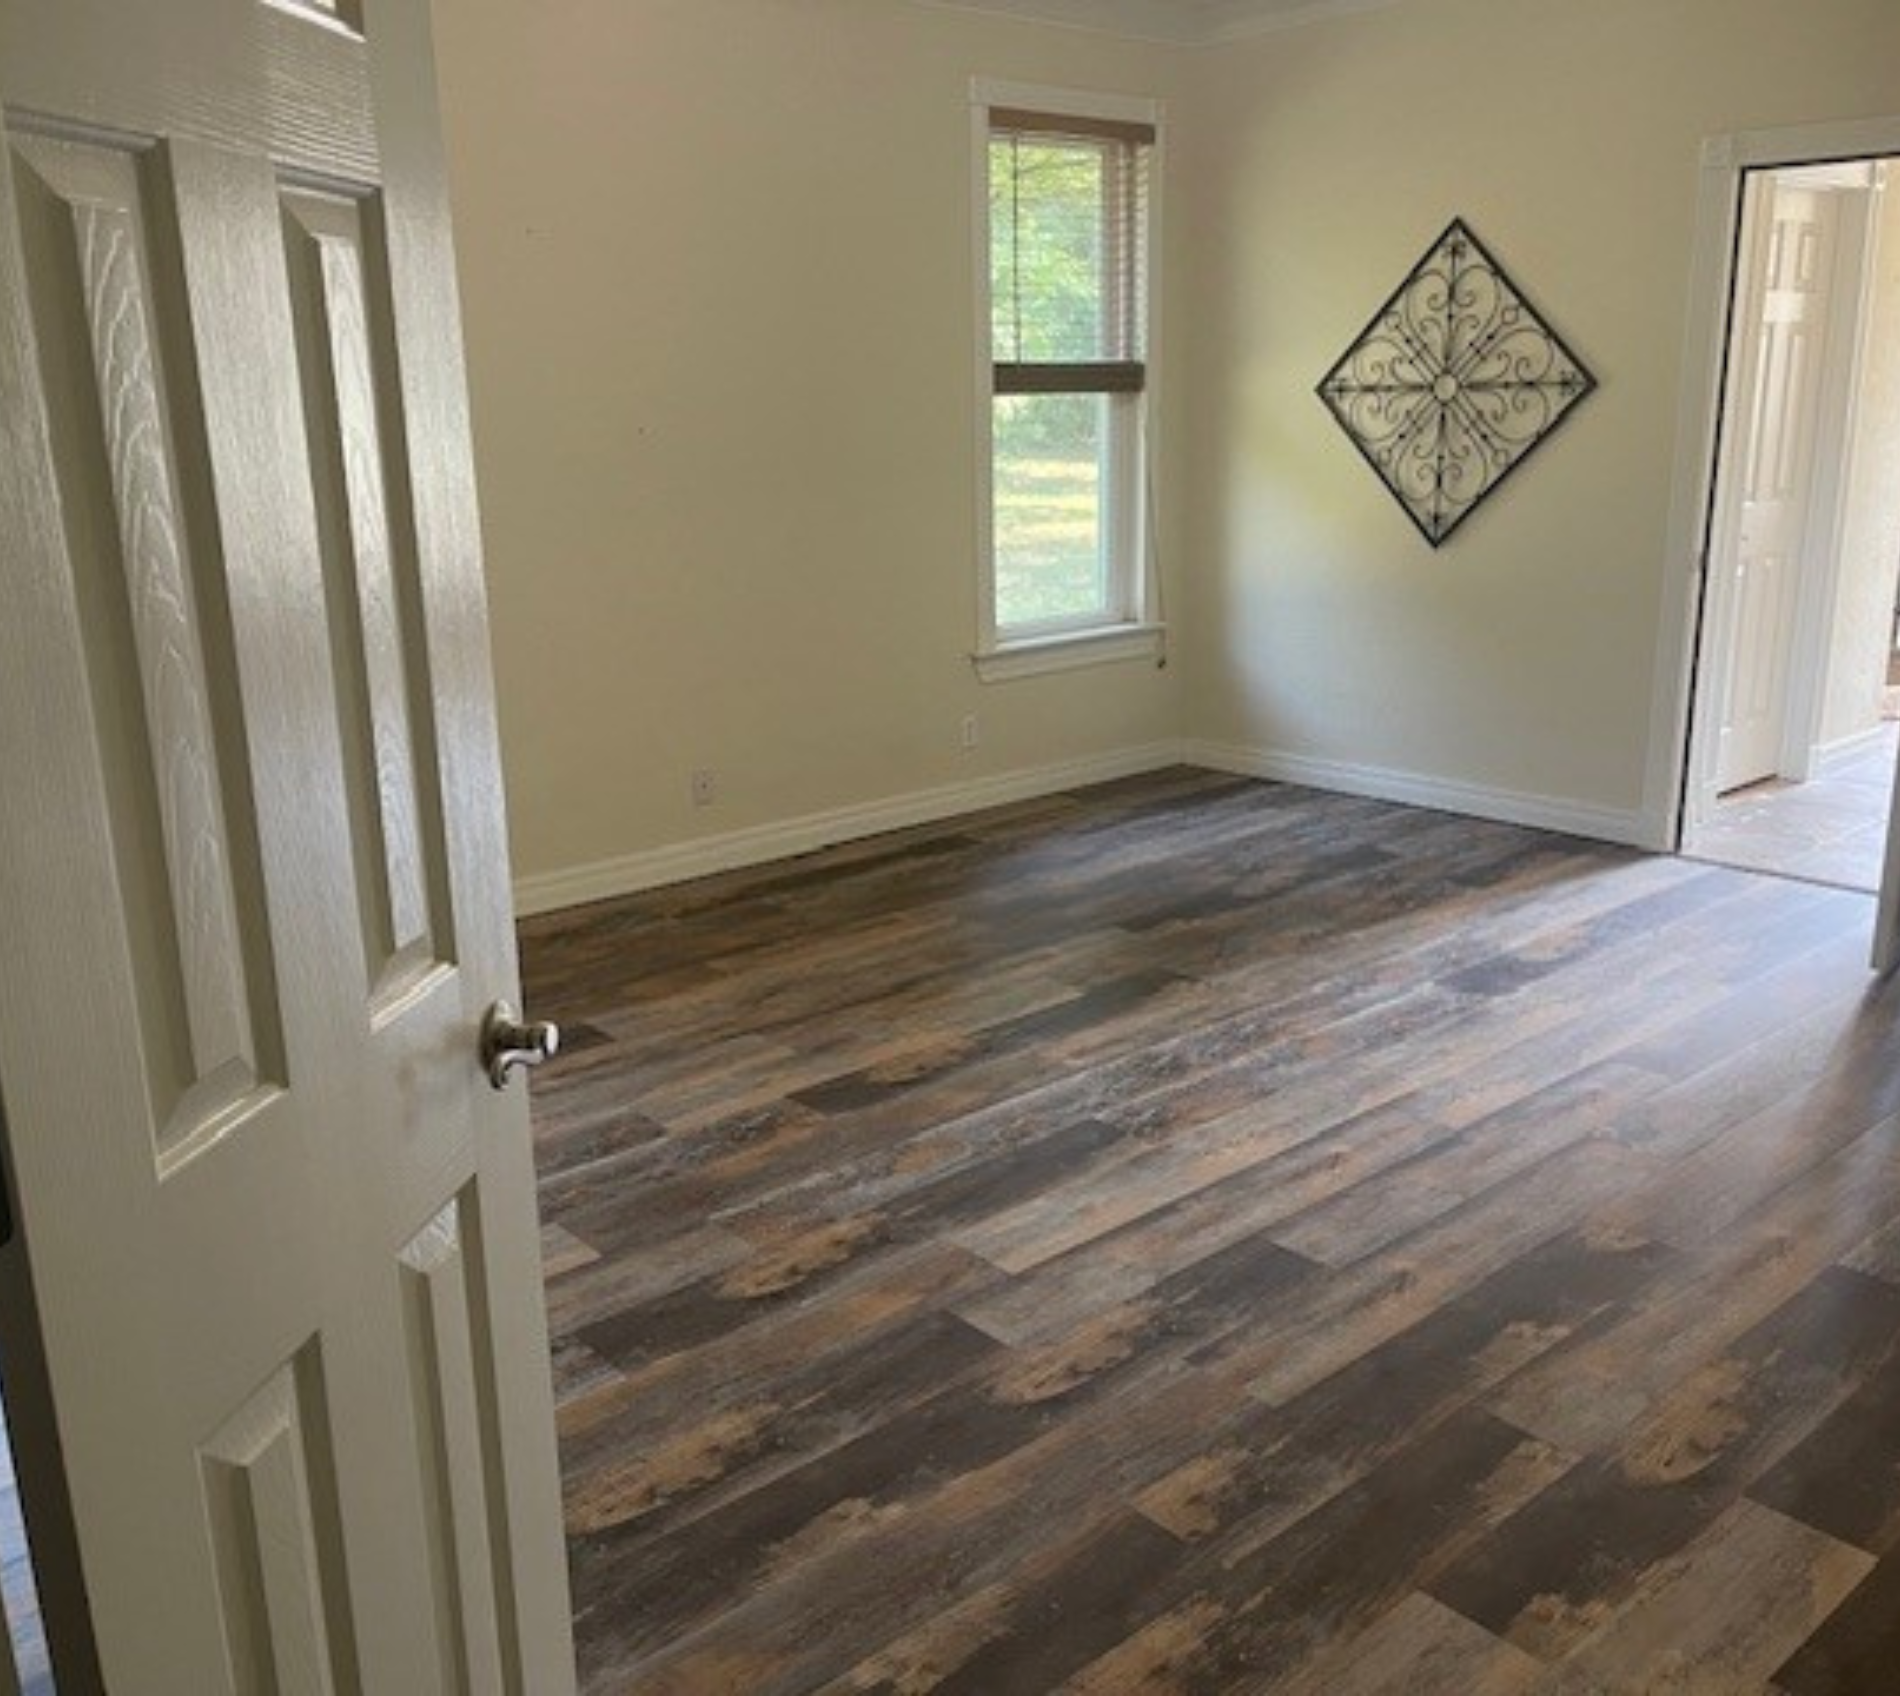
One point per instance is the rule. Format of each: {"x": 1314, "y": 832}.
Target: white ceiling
{"x": 1193, "y": 22}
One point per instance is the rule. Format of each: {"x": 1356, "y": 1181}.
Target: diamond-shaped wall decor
{"x": 1453, "y": 384}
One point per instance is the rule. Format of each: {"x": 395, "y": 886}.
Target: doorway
{"x": 1797, "y": 720}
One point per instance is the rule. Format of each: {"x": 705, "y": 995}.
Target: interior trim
{"x": 680, "y": 862}
{"x": 1207, "y": 24}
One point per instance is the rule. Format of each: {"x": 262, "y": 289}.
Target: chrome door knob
{"x": 508, "y": 1043}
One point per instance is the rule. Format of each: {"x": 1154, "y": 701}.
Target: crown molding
{"x": 1204, "y": 24}
{"x": 1138, "y": 20}
{"x": 1236, "y": 20}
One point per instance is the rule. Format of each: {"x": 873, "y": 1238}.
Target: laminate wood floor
{"x": 1831, "y": 829}
{"x": 1198, "y": 1235}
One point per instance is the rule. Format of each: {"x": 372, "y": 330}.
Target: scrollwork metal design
{"x": 1453, "y": 384}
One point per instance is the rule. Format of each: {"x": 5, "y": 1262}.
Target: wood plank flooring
{"x": 1197, "y": 1235}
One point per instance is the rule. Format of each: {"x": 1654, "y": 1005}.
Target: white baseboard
{"x": 1541, "y": 812}
{"x": 679, "y": 862}
{"x": 1854, "y": 744}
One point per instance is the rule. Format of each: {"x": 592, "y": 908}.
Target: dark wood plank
{"x": 1857, "y": 1648}
{"x": 1269, "y": 1466}
{"x": 1596, "y": 1539}
{"x": 1251, "y": 1619}
{"x": 1421, "y": 1648}
{"x": 1844, "y": 1477}
{"x": 1724, "y": 1616}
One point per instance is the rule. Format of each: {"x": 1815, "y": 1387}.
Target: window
{"x": 1067, "y": 195}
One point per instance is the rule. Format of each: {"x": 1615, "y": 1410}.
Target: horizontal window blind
{"x": 1068, "y": 253}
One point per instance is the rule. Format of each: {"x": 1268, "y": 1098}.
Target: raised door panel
{"x": 170, "y": 741}
{"x": 270, "y": 1502}
{"x": 452, "y": 1380}
{"x": 360, "y": 477}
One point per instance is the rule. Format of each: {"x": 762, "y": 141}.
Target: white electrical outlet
{"x": 972, "y": 731}
{"x": 704, "y": 789}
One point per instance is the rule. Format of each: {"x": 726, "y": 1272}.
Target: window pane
{"x": 1051, "y": 527}
{"x": 1049, "y": 250}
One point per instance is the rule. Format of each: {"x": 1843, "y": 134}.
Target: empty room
{"x": 879, "y": 846}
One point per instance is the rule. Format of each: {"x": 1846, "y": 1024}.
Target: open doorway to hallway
{"x": 1792, "y": 771}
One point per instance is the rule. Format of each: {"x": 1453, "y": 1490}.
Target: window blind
{"x": 1068, "y": 253}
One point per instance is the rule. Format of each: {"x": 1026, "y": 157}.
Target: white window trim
{"x": 999, "y": 658}
{"x": 1100, "y": 644}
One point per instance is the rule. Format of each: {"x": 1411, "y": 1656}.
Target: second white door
{"x": 1784, "y": 336}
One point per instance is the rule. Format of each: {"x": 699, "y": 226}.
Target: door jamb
{"x": 1719, "y": 606}
{"x": 1725, "y": 159}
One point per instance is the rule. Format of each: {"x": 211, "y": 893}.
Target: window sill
{"x": 1069, "y": 651}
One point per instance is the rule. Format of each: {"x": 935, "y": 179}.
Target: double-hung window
{"x": 1069, "y": 212}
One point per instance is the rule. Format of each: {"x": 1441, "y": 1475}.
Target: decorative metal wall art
{"x": 1453, "y": 384}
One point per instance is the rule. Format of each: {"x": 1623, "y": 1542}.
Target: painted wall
{"x": 1521, "y": 659}
{"x": 1870, "y": 536}
{"x": 716, "y": 264}
{"x": 717, "y": 275}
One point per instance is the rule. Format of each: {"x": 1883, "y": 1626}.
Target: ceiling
{"x": 1191, "y": 22}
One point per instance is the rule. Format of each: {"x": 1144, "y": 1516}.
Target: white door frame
{"x": 1725, "y": 161}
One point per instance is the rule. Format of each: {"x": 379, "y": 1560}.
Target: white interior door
{"x": 253, "y": 882}
{"x": 1782, "y": 333}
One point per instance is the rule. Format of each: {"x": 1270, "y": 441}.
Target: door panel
{"x": 154, "y": 633}
{"x": 456, "y": 1417}
{"x": 270, "y": 1500}
{"x": 253, "y": 883}
{"x": 1788, "y": 310}
{"x": 369, "y": 556}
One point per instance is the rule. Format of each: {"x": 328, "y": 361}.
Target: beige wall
{"x": 1521, "y": 658}
{"x": 716, "y": 260}
{"x": 1870, "y": 535}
